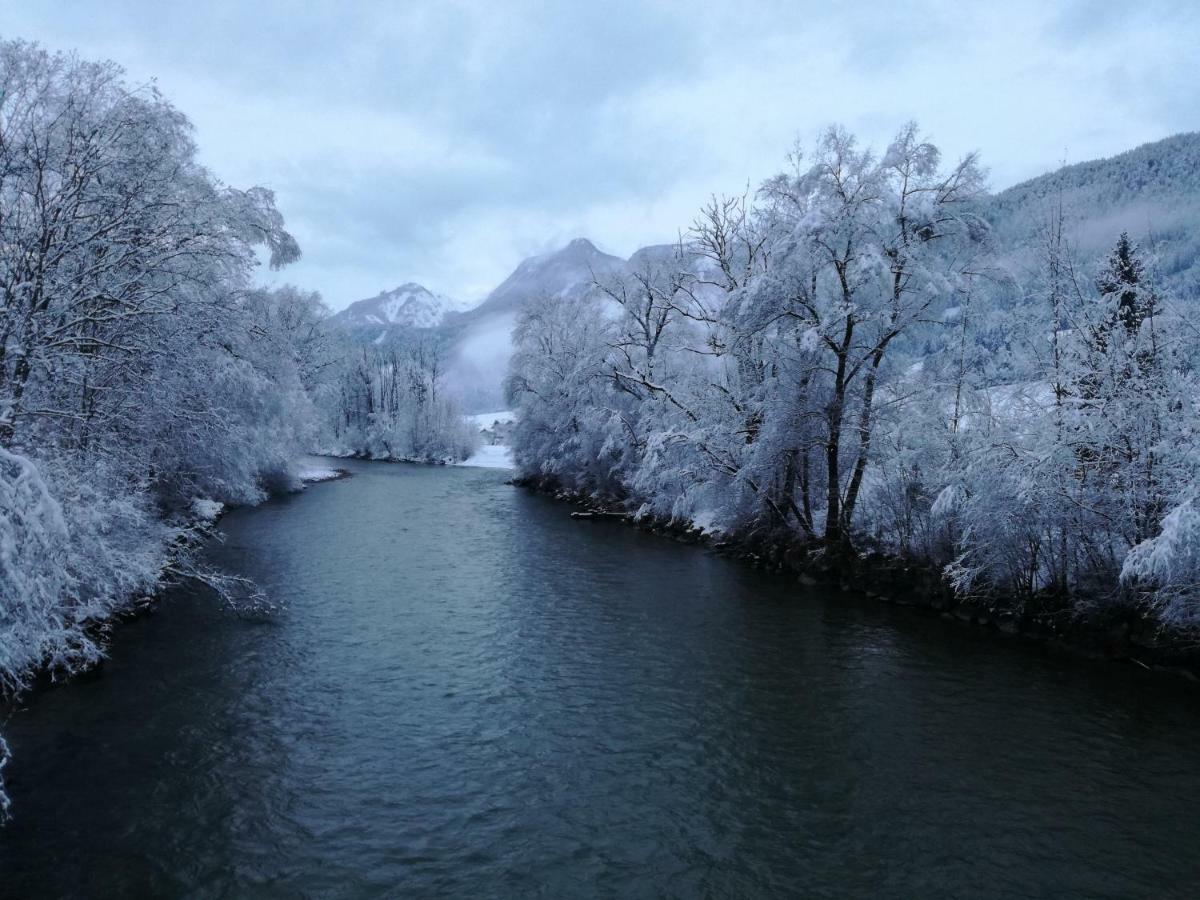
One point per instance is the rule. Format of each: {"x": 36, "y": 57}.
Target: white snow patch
{"x": 311, "y": 473}
{"x": 492, "y": 456}
{"x": 207, "y": 509}
{"x": 706, "y": 522}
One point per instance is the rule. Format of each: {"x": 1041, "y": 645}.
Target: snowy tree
{"x": 388, "y": 402}
{"x": 575, "y": 428}
{"x": 866, "y": 249}
{"x": 138, "y": 370}
{"x": 1167, "y": 566}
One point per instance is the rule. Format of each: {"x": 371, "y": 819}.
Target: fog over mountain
{"x": 478, "y": 341}
{"x": 1152, "y": 191}
{"x": 481, "y": 339}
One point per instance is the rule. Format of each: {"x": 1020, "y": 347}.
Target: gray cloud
{"x": 444, "y": 141}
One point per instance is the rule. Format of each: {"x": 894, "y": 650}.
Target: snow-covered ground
{"x": 313, "y": 469}
{"x": 491, "y": 425}
{"x": 207, "y": 510}
{"x": 490, "y": 456}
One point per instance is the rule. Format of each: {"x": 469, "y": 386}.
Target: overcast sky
{"x": 442, "y": 142}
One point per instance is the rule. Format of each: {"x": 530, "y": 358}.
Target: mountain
{"x": 565, "y": 272}
{"x": 482, "y": 342}
{"x": 479, "y": 340}
{"x": 408, "y": 306}
{"x": 1152, "y": 191}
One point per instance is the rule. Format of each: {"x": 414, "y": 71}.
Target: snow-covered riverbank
{"x": 313, "y": 471}
{"x": 490, "y": 456}
{"x": 495, "y": 428}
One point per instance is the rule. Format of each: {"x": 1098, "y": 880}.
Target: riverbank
{"x": 488, "y": 456}
{"x": 1089, "y": 627}
{"x": 181, "y": 538}
{"x": 492, "y": 451}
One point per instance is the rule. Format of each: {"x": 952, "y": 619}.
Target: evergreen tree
{"x": 1122, "y": 278}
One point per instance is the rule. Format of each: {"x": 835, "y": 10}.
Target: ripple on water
{"x": 469, "y": 694}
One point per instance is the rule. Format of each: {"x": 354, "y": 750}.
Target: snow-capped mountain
{"x": 1149, "y": 190}
{"x": 408, "y": 306}
{"x": 479, "y": 339}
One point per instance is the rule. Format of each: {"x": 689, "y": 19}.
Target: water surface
{"x": 472, "y": 695}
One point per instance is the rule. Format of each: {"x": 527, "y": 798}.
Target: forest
{"x": 859, "y": 359}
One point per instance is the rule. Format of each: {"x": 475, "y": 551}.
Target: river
{"x": 470, "y": 694}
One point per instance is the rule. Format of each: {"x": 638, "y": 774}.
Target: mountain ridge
{"x": 1151, "y": 191}
{"x": 410, "y": 305}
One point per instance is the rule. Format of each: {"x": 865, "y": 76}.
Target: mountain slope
{"x": 1152, "y": 191}
{"x": 482, "y": 344}
{"x": 566, "y": 272}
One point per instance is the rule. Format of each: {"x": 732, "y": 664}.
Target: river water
{"x": 470, "y": 694}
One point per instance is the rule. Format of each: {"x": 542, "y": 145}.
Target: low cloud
{"x": 442, "y": 142}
